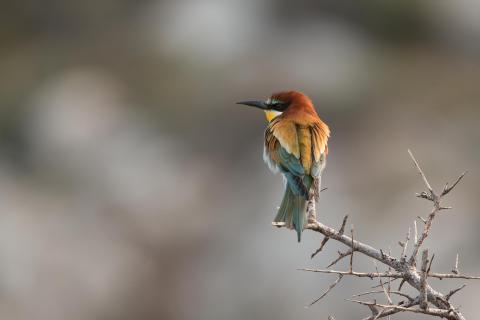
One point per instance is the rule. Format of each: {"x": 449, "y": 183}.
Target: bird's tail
{"x": 292, "y": 211}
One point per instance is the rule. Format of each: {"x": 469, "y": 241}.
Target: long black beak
{"x": 257, "y": 104}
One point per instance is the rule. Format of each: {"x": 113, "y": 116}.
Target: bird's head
{"x": 277, "y": 103}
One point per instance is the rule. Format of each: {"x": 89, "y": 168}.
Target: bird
{"x": 296, "y": 146}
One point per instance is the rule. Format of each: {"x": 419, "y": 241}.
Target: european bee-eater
{"x": 296, "y": 145}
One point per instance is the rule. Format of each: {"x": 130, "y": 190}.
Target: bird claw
{"x": 278, "y": 224}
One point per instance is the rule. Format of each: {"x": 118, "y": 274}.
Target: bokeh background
{"x": 132, "y": 186}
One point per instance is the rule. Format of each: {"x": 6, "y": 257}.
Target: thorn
{"x": 423, "y": 219}
{"x": 455, "y": 269}
{"x": 447, "y": 189}
{"x": 430, "y": 265}
{"x": 353, "y": 248}
{"x": 420, "y": 171}
{"x": 451, "y": 293}
{"x": 344, "y": 222}
{"x": 322, "y": 244}
{"x": 401, "y": 284}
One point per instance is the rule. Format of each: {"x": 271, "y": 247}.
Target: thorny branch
{"x": 428, "y": 300}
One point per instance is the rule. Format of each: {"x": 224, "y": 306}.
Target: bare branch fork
{"x": 428, "y": 300}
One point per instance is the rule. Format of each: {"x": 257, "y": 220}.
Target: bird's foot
{"x": 278, "y": 224}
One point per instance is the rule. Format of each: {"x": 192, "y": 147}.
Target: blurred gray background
{"x": 132, "y": 186}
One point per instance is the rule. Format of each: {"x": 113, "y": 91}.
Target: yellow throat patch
{"x": 271, "y": 114}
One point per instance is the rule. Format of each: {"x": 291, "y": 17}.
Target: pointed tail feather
{"x": 292, "y": 211}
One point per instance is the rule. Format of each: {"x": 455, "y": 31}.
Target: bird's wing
{"x": 320, "y": 133}
{"x": 282, "y": 148}
{"x": 286, "y": 133}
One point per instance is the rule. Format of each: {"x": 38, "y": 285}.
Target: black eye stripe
{"x": 274, "y": 102}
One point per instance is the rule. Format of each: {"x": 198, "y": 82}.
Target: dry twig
{"x": 340, "y": 276}
{"x": 325, "y": 239}
{"x": 429, "y": 301}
